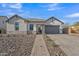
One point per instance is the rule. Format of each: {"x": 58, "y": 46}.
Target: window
{"x": 31, "y": 26}
{"x": 16, "y": 25}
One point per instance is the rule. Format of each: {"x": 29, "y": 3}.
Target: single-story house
{"x": 17, "y": 25}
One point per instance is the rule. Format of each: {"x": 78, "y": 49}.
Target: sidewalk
{"x": 39, "y": 47}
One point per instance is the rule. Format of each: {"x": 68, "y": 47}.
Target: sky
{"x": 66, "y": 12}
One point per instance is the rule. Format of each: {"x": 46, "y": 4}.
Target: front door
{"x": 39, "y": 29}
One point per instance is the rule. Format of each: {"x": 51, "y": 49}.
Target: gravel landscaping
{"x": 16, "y": 45}
{"x": 53, "y": 48}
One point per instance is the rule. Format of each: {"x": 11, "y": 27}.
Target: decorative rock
{"x": 16, "y": 45}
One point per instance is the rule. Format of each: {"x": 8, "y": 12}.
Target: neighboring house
{"x": 3, "y": 24}
{"x": 17, "y": 25}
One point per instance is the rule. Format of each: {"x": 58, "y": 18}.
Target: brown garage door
{"x": 49, "y": 29}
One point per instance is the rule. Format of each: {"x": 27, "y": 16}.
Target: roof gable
{"x": 51, "y": 19}
{"x": 17, "y": 17}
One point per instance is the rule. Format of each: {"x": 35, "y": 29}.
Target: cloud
{"x": 12, "y": 5}
{"x": 11, "y": 8}
{"x": 16, "y": 6}
{"x": 52, "y": 7}
{"x": 73, "y": 15}
{"x": 3, "y": 5}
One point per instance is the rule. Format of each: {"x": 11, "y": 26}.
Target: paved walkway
{"x": 39, "y": 48}
{"x": 68, "y": 43}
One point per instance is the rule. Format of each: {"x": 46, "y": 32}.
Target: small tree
{"x": 76, "y": 24}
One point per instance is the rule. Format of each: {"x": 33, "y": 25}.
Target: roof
{"x": 35, "y": 20}
{"x": 16, "y": 16}
{"x": 4, "y": 17}
{"x": 54, "y": 18}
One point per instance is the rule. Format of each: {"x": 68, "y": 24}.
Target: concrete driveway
{"x": 68, "y": 43}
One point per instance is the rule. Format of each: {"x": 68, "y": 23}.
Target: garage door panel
{"x": 49, "y": 29}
